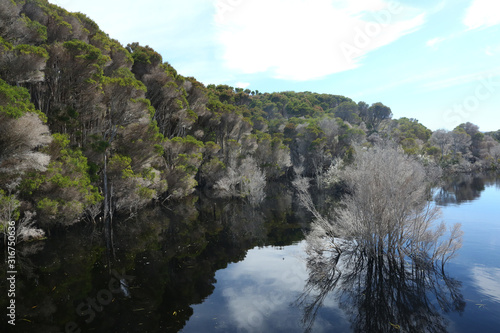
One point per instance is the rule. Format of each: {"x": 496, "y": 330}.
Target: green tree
{"x": 375, "y": 115}
{"x": 347, "y": 111}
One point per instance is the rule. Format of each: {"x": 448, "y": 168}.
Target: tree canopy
{"x": 114, "y": 128}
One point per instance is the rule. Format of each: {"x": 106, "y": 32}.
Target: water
{"x": 259, "y": 294}
{"x": 224, "y": 267}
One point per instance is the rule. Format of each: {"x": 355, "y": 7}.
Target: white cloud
{"x": 492, "y": 50}
{"x": 151, "y": 22}
{"x": 477, "y": 77}
{"x": 434, "y": 42}
{"x": 243, "y": 85}
{"x": 410, "y": 80}
{"x": 481, "y": 14}
{"x": 303, "y": 40}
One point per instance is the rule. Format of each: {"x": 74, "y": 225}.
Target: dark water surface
{"x": 209, "y": 266}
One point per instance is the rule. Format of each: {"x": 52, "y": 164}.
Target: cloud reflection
{"x": 487, "y": 280}
{"x": 257, "y": 295}
{"x": 262, "y": 287}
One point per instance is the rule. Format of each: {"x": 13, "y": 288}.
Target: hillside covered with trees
{"x": 91, "y": 129}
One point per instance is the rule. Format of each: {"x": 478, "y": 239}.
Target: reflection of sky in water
{"x": 487, "y": 280}
{"x": 480, "y": 221}
{"x": 478, "y": 262}
{"x": 257, "y": 295}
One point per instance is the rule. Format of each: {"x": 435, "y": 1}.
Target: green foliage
{"x": 64, "y": 190}
{"x": 94, "y": 91}
{"x": 144, "y": 54}
{"x": 188, "y": 140}
{"x": 39, "y": 28}
{"x": 146, "y": 193}
{"x": 125, "y": 78}
{"x": 433, "y": 151}
{"x": 81, "y": 50}
{"x": 410, "y": 146}
{"x": 70, "y": 169}
{"x": 347, "y": 111}
{"x": 100, "y": 146}
{"x": 48, "y": 207}
{"x": 15, "y": 101}
{"x": 9, "y": 208}
{"x": 31, "y": 183}
{"x": 495, "y": 135}
{"x": 5, "y": 45}
{"x": 410, "y": 128}
{"x": 87, "y": 22}
{"x": 159, "y": 150}
{"x": 30, "y": 49}
{"x": 121, "y": 164}
{"x": 147, "y": 104}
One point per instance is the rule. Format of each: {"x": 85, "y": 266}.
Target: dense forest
{"x": 91, "y": 130}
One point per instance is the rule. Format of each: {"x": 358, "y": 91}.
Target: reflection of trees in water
{"x": 464, "y": 187}
{"x": 173, "y": 255}
{"x": 223, "y": 234}
{"x": 380, "y": 251}
{"x": 380, "y": 293}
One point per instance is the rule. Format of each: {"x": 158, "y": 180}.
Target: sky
{"x": 433, "y": 60}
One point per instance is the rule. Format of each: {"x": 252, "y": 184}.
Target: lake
{"x": 219, "y": 266}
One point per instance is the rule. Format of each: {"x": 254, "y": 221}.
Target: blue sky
{"x": 436, "y": 61}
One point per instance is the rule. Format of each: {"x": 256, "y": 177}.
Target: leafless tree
{"x": 385, "y": 212}
{"x": 245, "y": 180}
{"x": 442, "y": 139}
{"x": 18, "y": 146}
{"x": 387, "y": 208}
{"x": 384, "y": 224}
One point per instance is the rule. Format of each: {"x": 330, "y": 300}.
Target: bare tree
{"x": 386, "y": 211}
{"x": 442, "y": 139}
{"x": 18, "y": 145}
{"x": 381, "y": 246}
{"x": 245, "y": 180}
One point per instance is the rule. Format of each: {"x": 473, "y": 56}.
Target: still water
{"x": 209, "y": 266}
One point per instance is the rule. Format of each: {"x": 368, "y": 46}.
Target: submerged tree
{"x": 386, "y": 210}
{"x": 385, "y": 218}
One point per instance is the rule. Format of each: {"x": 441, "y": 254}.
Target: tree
{"x": 460, "y": 141}
{"x": 381, "y": 246}
{"x": 17, "y": 28}
{"x": 374, "y": 115}
{"x": 409, "y": 128}
{"x": 363, "y": 110}
{"x": 22, "y": 63}
{"x": 245, "y": 180}
{"x": 476, "y": 137}
{"x": 272, "y": 156}
{"x": 182, "y": 157}
{"x": 18, "y": 147}
{"x": 347, "y": 111}
{"x": 386, "y": 211}
{"x": 60, "y": 194}
{"x": 442, "y": 139}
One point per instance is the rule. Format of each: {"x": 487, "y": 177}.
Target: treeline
{"x": 90, "y": 129}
